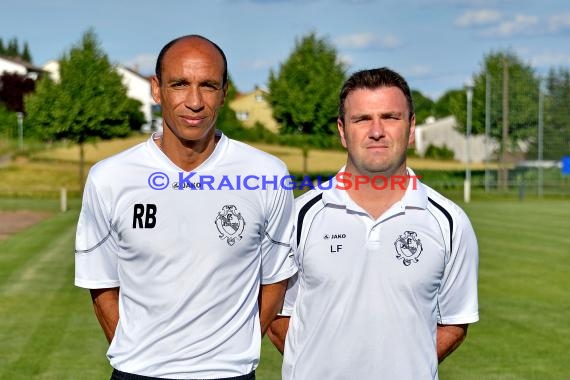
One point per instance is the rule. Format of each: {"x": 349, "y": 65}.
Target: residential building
{"x": 17, "y": 66}
{"x": 443, "y": 133}
{"x": 138, "y": 87}
{"x": 252, "y": 108}
{"x": 52, "y": 67}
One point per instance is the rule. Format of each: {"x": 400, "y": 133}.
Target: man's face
{"x": 191, "y": 90}
{"x": 376, "y": 131}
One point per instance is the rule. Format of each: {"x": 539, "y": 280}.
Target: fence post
{"x": 63, "y": 199}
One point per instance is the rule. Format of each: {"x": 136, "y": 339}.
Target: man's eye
{"x": 179, "y": 84}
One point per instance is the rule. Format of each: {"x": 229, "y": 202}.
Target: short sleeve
{"x": 290, "y": 296}
{"x": 457, "y": 299}
{"x": 95, "y": 247}
{"x": 277, "y": 260}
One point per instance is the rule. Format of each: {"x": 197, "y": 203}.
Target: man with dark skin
{"x": 184, "y": 300}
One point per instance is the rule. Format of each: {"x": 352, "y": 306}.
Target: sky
{"x": 437, "y": 45}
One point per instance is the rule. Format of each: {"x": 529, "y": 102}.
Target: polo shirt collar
{"x": 414, "y": 197}
{"x": 211, "y": 161}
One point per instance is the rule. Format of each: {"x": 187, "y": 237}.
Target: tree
{"x": 522, "y": 95}
{"x": 304, "y": 91}
{"x": 556, "y": 120}
{"x": 88, "y": 103}
{"x": 8, "y": 122}
{"x": 423, "y": 106}
{"x": 135, "y": 116}
{"x": 226, "y": 116}
{"x": 12, "y": 49}
{"x": 448, "y": 103}
{"x": 26, "y": 56}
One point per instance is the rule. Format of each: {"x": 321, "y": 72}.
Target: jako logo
{"x": 334, "y": 236}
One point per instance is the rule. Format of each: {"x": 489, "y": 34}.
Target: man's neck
{"x": 380, "y": 192}
{"x": 186, "y": 154}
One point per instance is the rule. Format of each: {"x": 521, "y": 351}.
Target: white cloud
{"x": 468, "y": 3}
{"x": 367, "y": 41}
{"x": 346, "y": 59}
{"x": 523, "y": 51}
{"x": 480, "y": 17}
{"x": 142, "y": 63}
{"x": 273, "y": 1}
{"x": 559, "y": 22}
{"x": 528, "y": 25}
{"x": 550, "y": 58}
{"x": 419, "y": 70}
{"x": 520, "y": 25}
{"x": 258, "y": 64}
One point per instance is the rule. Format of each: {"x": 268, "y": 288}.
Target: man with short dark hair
{"x": 387, "y": 280}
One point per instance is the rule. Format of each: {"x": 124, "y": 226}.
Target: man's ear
{"x": 412, "y": 137}
{"x": 340, "y": 127}
{"x": 155, "y": 89}
{"x": 225, "y": 92}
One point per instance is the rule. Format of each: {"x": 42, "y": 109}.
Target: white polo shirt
{"x": 369, "y": 293}
{"x": 189, "y": 263}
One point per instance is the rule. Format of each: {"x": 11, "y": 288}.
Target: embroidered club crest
{"x": 230, "y": 224}
{"x": 408, "y": 247}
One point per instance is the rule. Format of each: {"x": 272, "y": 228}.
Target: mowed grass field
{"x": 48, "y": 329}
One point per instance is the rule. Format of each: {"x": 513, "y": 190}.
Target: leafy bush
{"x": 439, "y": 153}
{"x": 8, "y": 123}
{"x": 261, "y": 134}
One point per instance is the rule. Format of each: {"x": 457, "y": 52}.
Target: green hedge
{"x": 259, "y": 133}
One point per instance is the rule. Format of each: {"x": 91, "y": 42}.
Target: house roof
{"x": 134, "y": 72}
{"x": 256, "y": 90}
{"x": 445, "y": 122}
{"x": 21, "y": 62}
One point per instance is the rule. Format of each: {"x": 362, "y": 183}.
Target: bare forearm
{"x": 106, "y": 306}
{"x": 270, "y": 301}
{"x": 449, "y": 337}
{"x": 278, "y": 331}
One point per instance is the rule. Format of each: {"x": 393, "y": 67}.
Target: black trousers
{"x": 118, "y": 375}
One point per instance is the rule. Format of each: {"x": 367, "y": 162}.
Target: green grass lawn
{"x": 48, "y": 330}
{"x": 524, "y": 274}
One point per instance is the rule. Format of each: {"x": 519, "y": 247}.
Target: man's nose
{"x": 376, "y": 130}
{"x": 194, "y": 99}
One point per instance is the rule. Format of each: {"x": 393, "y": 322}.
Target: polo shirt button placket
{"x": 374, "y": 234}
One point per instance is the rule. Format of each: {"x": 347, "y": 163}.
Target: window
{"x": 242, "y": 115}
